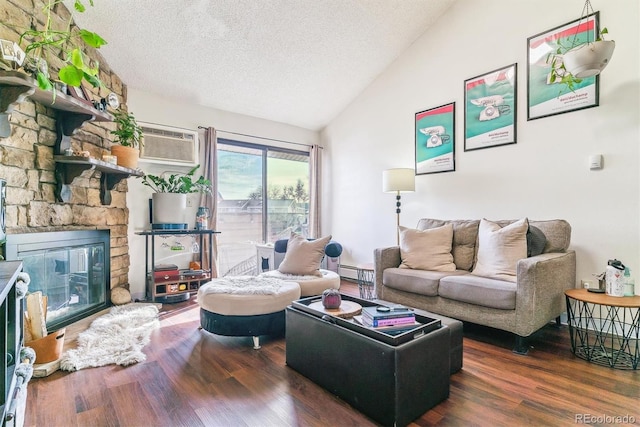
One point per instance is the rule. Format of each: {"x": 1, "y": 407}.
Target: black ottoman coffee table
{"x": 393, "y": 379}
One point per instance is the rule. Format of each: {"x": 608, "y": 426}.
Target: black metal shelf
{"x": 160, "y": 289}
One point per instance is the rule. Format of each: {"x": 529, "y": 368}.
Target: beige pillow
{"x": 427, "y": 249}
{"x": 499, "y": 249}
{"x": 303, "y": 256}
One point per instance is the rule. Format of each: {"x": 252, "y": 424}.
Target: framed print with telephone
{"x": 435, "y": 139}
{"x": 490, "y": 102}
{"x": 552, "y": 91}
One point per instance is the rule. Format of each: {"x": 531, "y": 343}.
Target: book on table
{"x": 372, "y": 316}
{"x": 397, "y": 328}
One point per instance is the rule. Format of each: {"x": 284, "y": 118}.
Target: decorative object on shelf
{"x": 563, "y": 66}
{"x": 614, "y": 276}
{"x": 79, "y": 93}
{"x": 11, "y": 56}
{"x": 169, "y": 199}
{"x": 70, "y": 40}
{"x": 490, "y": 109}
{"x": 111, "y": 100}
{"x": 331, "y": 298}
{"x": 129, "y": 137}
{"x": 110, "y": 159}
{"x": 435, "y": 139}
{"x": 398, "y": 180}
{"x": 202, "y": 218}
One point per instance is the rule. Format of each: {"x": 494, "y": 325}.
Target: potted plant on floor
{"x": 169, "y": 199}
{"x": 129, "y": 139}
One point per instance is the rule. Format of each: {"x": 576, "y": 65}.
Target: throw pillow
{"x": 303, "y": 256}
{"x": 499, "y": 249}
{"x": 427, "y": 249}
{"x": 536, "y": 241}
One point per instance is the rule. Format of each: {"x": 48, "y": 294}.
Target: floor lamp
{"x": 399, "y": 180}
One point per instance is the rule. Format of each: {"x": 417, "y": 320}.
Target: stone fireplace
{"x": 28, "y": 166}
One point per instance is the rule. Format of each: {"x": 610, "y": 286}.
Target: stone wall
{"x": 26, "y": 156}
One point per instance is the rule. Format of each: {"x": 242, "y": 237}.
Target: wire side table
{"x": 366, "y": 281}
{"x": 604, "y": 330}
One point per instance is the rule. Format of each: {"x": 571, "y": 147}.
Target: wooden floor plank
{"x": 194, "y": 378}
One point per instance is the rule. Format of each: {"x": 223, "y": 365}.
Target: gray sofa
{"x": 523, "y": 307}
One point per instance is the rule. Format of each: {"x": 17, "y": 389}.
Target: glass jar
{"x": 202, "y": 218}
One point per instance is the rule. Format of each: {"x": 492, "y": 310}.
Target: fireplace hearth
{"x": 70, "y": 268}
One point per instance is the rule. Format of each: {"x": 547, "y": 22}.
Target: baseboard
{"x": 348, "y": 272}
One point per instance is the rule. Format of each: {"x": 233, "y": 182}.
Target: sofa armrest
{"x": 384, "y": 258}
{"x": 541, "y": 282}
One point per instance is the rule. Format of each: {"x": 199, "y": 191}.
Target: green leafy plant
{"x": 128, "y": 132}
{"x": 178, "y": 183}
{"x": 49, "y": 41}
{"x": 559, "y": 73}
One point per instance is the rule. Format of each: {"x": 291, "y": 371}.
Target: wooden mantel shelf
{"x": 70, "y": 167}
{"x": 72, "y": 113}
{"x": 60, "y": 101}
{"x": 16, "y": 86}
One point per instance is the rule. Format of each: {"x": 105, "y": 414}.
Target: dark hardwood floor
{"x": 194, "y": 378}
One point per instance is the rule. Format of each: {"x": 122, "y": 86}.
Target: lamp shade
{"x": 399, "y": 179}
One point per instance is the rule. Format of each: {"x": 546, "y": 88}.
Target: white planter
{"x": 588, "y": 59}
{"x": 169, "y": 208}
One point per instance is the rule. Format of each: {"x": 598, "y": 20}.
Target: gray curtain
{"x": 209, "y": 168}
{"x": 315, "y": 190}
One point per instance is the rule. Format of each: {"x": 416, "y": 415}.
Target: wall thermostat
{"x": 595, "y": 162}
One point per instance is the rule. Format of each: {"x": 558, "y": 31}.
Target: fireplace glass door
{"x": 68, "y": 268}
{"x": 72, "y": 279}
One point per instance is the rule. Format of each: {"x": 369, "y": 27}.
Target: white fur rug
{"x": 115, "y": 338}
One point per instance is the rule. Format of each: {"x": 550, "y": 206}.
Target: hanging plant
{"x": 572, "y": 62}
{"x": 49, "y": 41}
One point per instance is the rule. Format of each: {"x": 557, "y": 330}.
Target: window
{"x": 263, "y": 195}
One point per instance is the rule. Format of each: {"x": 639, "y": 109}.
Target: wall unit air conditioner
{"x": 168, "y": 145}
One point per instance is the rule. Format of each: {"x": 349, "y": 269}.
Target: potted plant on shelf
{"x": 169, "y": 199}
{"x": 129, "y": 139}
{"x": 69, "y": 40}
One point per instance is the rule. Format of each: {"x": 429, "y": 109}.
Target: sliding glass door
{"x": 263, "y": 195}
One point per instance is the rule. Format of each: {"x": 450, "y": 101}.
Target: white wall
{"x": 545, "y": 175}
{"x": 154, "y": 109}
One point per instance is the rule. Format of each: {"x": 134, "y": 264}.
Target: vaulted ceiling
{"x": 299, "y": 62}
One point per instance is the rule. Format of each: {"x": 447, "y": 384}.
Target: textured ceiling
{"x": 299, "y": 62}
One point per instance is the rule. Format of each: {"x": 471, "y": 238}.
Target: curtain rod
{"x": 260, "y": 137}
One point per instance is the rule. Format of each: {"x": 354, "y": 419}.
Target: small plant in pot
{"x": 170, "y": 195}
{"x": 129, "y": 139}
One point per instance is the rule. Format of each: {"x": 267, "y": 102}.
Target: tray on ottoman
{"x": 391, "y": 379}
{"x": 427, "y": 324}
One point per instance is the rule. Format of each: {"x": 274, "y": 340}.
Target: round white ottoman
{"x": 246, "y": 306}
{"x": 309, "y": 285}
